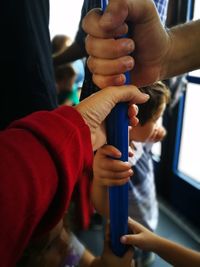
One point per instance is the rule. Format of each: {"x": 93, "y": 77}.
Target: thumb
{"x": 114, "y": 15}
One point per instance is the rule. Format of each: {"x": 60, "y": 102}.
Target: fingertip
{"x": 123, "y": 239}
{"x": 146, "y": 96}
{"x": 106, "y": 20}
{"x": 136, "y": 108}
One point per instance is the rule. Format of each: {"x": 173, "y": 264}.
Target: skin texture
{"x": 95, "y": 109}
{"x": 157, "y": 53}
{"x": 173, "y": 253}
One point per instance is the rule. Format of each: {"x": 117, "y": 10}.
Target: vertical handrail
{"x": 117, "y": 135}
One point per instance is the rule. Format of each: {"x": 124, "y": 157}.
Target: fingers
{"x": 93, "y": 18}
{"x": 109, "y": 150}
{"x": 158, "y": 134}
{"x": 95, "y": 108}
{"x": 108, "y": 57}
{"x": 109, "y": 171}
{"x": 134, "y": 226}
{"x": 112, "y": 172}
{"x": 129, "y": 239}
{"x": 115, "y": 48}
{"x": 110, "y": 67}
{"x": 132, "y": 113}
{"x": 113, "y": 182}
{"x": 112, "y": 80}
{"x": 114, "y": 15}
{"x": 114, "y": 168}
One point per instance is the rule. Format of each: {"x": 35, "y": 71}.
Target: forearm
{"x": 100, "y": 198}
{"x": 183, "y": 55}
{"x": 70, "y": 54}
{"x": 176, "y": 254}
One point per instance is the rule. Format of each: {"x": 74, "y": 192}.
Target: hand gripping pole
{"x": 117, "y": 135}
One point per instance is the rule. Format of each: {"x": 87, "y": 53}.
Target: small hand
{"x": 158, "y": 134}
{"x": 141, "y": 237}
{"x": 108, "y": 170}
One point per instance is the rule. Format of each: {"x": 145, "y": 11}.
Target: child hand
{"x": 141, "y": 237}
{"x": 108, "y": 259}
{"x": 109, "y": 171}
{"x": 158, "y": 134}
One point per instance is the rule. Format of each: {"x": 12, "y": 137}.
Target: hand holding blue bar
{"x": 117, "y": 135}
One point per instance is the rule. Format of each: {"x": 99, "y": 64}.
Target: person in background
{"x": 61, "y": 44}
{"x": 173, "y": 253}
{"x": 27, "y": 78}
{"x": 65, "y": 81}
{"x": 142, "y": 204}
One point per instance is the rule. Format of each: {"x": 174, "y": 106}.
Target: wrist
{"x": 157, "y": 244}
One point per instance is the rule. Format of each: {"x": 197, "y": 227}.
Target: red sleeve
{"x": 42, "y": 158}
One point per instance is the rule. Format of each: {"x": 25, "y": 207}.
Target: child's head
{"x": 60, "y": 42}
{"x": 65, "y": 77}
{"x": 151, "y": 111}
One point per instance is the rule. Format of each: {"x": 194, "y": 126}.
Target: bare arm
{"x": 70, "y": 54}
{"x": 172, "y": 252}
{"x": 184, "y": 54}
{"x": 176, "y": 254}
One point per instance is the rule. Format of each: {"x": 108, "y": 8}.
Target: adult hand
{"x": 96, "y": 107}
{"x": 110, "y": 57}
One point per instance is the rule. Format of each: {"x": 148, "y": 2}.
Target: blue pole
{"x": 117, "y": 135}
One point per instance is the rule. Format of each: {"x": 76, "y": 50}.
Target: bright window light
{"x": 64, "y": 17}
{"x": 188, "y": 162}
{"x": 196, "y": 10}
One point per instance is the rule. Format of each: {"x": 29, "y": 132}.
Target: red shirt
{"x": 42, "y": 157}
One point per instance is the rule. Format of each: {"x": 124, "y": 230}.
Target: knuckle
{"x": 91, "y": 65}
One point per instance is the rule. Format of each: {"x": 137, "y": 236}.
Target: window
{"x": 64, "y": 17}
{"x": 188, "y": 162}
{"x": 188, "y": 159}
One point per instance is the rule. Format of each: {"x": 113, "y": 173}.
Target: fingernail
{"x": 120, "y": 79}
{"x": 129, "y": 63}
{"x": 128, "y": 46}
{"x": 136, "y": 108}
{"x": 130, "y": 172}
{"x": 146, "y": 96}
{"x": 106, "y": 18}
